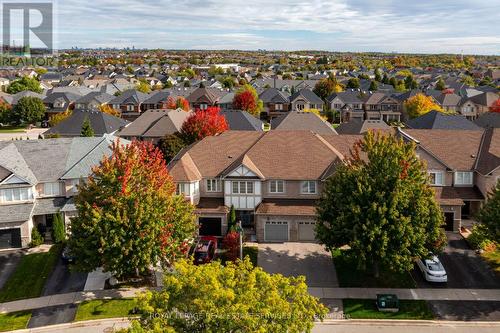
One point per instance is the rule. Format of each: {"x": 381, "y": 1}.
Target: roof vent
{"x": 229, "y": 156}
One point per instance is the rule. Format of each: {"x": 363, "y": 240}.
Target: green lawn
{"x": 366, "y": 309}
{"x": 252, "y": 252}
{"x": 350, "y": 276}
{"x": 14, "y": 321}
{"x": 12, "y": 129}
{"x": 111, "y": 308}
{"x": 493, "y": 259}
{"x": 29, "y": 278}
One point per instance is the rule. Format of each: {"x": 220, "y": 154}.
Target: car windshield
{"x": 435, "y": 266}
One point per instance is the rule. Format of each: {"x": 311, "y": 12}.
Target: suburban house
{"x": 348, "y": 104}
{"x": 38, "y": 178}
{"x": 274, "y": 178}
{"x": 157, "y": 100}
{"x": 152, "y": 125}
{"x": 484, "y": 101}
{"x": 202, "y": 98}
{"x": 305, "y": 99}
{"x": 238, "y": 120}
{"x": 303, "y": 121}
{"x": 381, "y": 106}
{"x": 129, "y": 103}
{"x": 93, "y": 100}
{"x": 101, "y": 123}
{"x": 58, "y": 102}
{"x": 440, "y": 120}
{"x": 276, "y": 102}
{"x": 226, "y": 101}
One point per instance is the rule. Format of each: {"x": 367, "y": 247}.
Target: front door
{"x": 466, "y": 209}
{"x": 246, "y": 218}
{"x": 449, "y": 219}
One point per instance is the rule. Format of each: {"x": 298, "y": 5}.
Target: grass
{"x": 252, "y": 252}
{"x": 350, "y": 276}
{"x": 14, "y": 321}
{"x": 12, "y": 129}
{"x": 99, "y": 309}
{"x": 30, "y": 276}
{"x": 493, "y": 259}
{"x": 366, "y": 309}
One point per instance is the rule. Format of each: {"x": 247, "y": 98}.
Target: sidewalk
{"x": 329, "y": 293}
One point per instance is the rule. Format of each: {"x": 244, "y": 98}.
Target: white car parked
{"x": 432, "y": 269}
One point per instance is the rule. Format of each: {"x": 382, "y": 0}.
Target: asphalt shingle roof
{"x": 439, "y": 120}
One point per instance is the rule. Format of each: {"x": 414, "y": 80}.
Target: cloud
{"x": 342, "y": 25}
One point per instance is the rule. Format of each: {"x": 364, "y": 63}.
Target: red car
{"x": 204, "y": 250}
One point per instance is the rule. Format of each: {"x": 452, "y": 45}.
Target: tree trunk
{"x": 376, "y": 270}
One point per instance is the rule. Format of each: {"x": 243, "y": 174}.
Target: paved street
{"x": 25, "y": 135}
{"x": 397, "y": 326}
{"x": 60, "y": 281}
{"x": 8, "y": 263}
{"x": 293, "y": 259}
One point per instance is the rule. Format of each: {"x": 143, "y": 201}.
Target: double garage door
{"x": 279, "y": 231}
{"x": 10, "y": 238}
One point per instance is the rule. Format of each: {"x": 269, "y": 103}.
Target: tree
{"x": 385, "y": 79}
{"x": 28, "y": 110}
{"x": 178, "y": 103}
{"x": 378, "y": 76}
{"x": 203, "y": 123}
{"x": 58, "y": 228}
{"x": 36, "y": 238}
{"x": 468, "y": 80}
{"x": 489, "y": 215}
{"x": 410, "y": 83}
{"x": 353, "y": 83}
{"x": 232, "y": 219}
{"x": 373, "y": 86}
{"x": 440, "y": 85}
{"x": 143, "y": 87}
{"x": 419, "y": 105}
{"x": 129, "y": 218}
{"x": 87, "y": 130}
{"x": 495, "y": 107}
{"x": 24, "y": 83}
{"x": 56, "y": 119}
{"x": 105, "y": 108}
{"x": 325, "y": 87}
{"x": 247, "y": 99}
{"x": 5, "y": 113}
{"x": 170, "y": 145}
{"x": 232, "y": 298}
{"x": 390, "y": 216}
{"x": 231, "y": 243}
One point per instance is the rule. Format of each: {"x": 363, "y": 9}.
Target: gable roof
{"x": 489, "y": 155}
{"x": 102, "y": 123}
{"x": 130, "y": 96}
{"x": 348, "y": 97}
{"x": 305, "y": 121}
{"x": 211, "y": 94}
{"x": 358, "y": 126}
{"x": 485, "y": 99}
{"x": 308, "y": 95}
{"x": 100, "y": 97}
{"x": 156, "y": 123}
{"x": 439, "y": 120}
{"x": 273, "y": 95}
{"x": 488, "y": 119}
{"x": 242, "y": 121}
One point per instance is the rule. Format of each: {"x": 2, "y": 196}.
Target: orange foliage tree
{"x": 495, "y": 107}
{"x": 178, "y": 103}
{"x": 203, "y": 123}
{"x": 109, "y": 110}
{"x": 419, "y": 105}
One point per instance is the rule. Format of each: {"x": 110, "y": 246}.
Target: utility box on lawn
{"x": 387, "y": 303}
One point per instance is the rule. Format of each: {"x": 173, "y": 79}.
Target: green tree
{"x": 373, "y": 86}
{"x": 170, "y": 145}
{"x": 385, "y": 79}
{"x": 28, "y": 110}
{"x": 232, "y": 219}
{"x": 129, "y": 218}
{"x": 390, "y": 216}
{"x": 87, "y": 130}
{"x": 353, "y": 83}
{"x": 143, "y": 87}
{"x": 24, "y": 83}
{"x": 378, "y": 75}
{"x": 410, "y": 83}
{"x": 58, "y": 228}
{"x": 468, "y": 80}
{"x": 237, "y": 297}
{"x": 36, "y": 238}
{"x": 489, "y": 215}
{"x": 325, "y": 87}
{"x": 440, "y": 85}
{"x": 5, "y": 113}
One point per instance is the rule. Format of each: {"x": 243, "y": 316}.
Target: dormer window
{"x": 276, "y": 186}
{"x": 308, "y": 187}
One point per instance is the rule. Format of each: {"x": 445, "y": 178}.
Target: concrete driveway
{"x": 294, "y": 259}
{"x": 8, "y": 264}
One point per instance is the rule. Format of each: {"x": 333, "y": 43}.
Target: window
{"x": 182, "y": 188}
{"x": 15, "y": 194}
{"x": 242, "y": 187}
{"x": 278, "y": 106}
{"x": 74, "y": 185}
{"x": 130, "y": 108}
{"x": 213, "y": 185}
{"x": 276, "y": 186}
{"x": 52, "y": 189}
{"x": 308, "y": 187}
{"x": 436, "y": 178}
{"x": 463, "y": 178}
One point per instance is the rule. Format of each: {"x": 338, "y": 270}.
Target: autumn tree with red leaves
{"x": 203, "y": 123}
{"x": 495, "y": 107}
{"x": 247, "y": 99}
{"x": 178, "y": 103}
{"x": 129, "y": 218}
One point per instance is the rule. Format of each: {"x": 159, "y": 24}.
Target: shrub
{"x": 479, "y": 238}
{"x": 231, "y": 243}
{"x": 36, "y": 238}
{"x": 58, "y": 230}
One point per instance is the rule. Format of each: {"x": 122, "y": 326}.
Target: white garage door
{"x": 306, "y": 231}
{"x": 276, "y": 231}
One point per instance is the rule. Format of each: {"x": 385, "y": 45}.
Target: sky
{"x": 417, "y": 26}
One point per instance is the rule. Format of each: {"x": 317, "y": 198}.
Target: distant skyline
{"x": 423, "y": 26}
